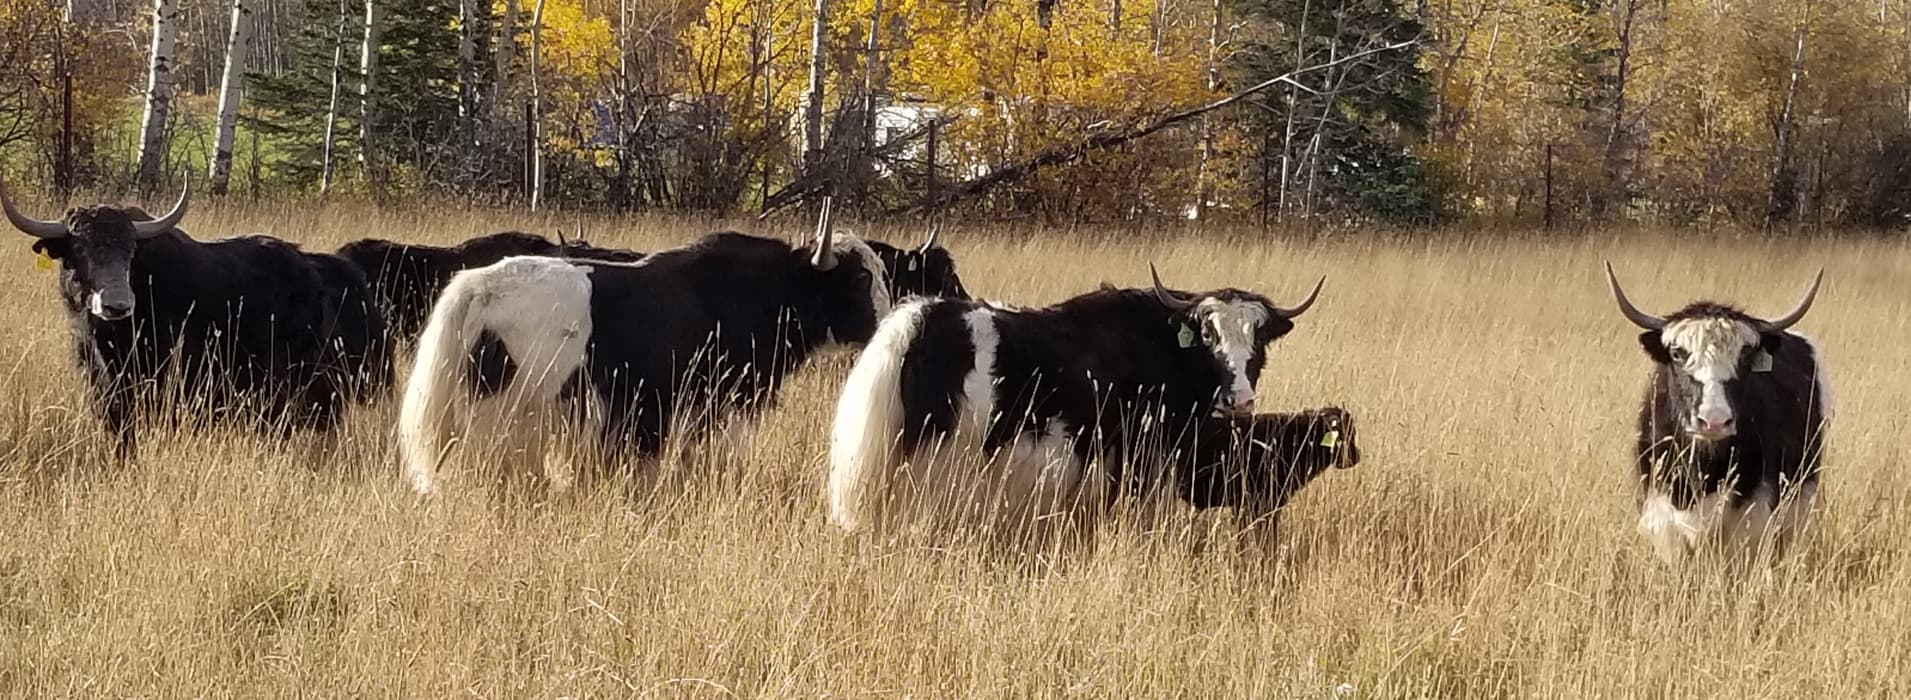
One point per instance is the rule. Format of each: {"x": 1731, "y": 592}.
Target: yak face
{"x": 848, "y": 285}
{"x": 1235, "y": 327}
{"x": 925, "y": 271}
{"x": 97, "y": 260}
{"x": 929, "y": 272}
{"x": 1311, "y": 442}
{"x": 1704, "y": 351}
{"x": 95, "y": 246}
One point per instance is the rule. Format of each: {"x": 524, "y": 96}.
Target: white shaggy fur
{"x": 1028, "y": 481}
{"x": 1712, "y": 348}
{"x": 540, "y": 309}
{"x": 868, "y": 421}
{"x": 1759, "y": 526}
{"x": 845, "y": 243}
{"x": 1229, "y": 330}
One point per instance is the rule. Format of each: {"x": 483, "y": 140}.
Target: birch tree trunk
{"x": 159, "y": 93}
{"x": 813, "y": 98}
{"x": 1204, "y": 188}
{"x": 231, "y": 92}
{"x": 367, "y": 99}
{"x": 331, "y": 109}
{"x": 872, "y": 84}
{"x": 1784, "y": 191}
{"x": 537, "y": 108}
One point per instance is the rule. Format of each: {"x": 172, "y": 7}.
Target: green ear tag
{"x": 43, "y": 261}
{"x": 1330, "y": 439}
{"x": 1762, "y": 362}
{"x": 1186, "y": 336}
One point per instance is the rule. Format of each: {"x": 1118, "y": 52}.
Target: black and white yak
{"x": 1052, "y": 401}
{"x": 406, "y": 277}
{"x": 1732, "y": 430}
{"x": 248, "y": 327}
{"x": 697, "y": 332}
{"x": 927, "y": 270}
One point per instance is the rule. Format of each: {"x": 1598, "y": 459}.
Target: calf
{"x": 248, "y": 323}
{"x": 1256, "y": 464}
{"x": 1041, "y": 394}
{"x": 1732, "y": 429}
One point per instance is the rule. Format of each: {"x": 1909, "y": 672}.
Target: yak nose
{"x": 110, "y": 309}
{"x": 1716, "y": 429}
{"x": 1240, "y": 407}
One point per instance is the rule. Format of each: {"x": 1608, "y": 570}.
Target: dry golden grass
{"x": 1484, "y": 549}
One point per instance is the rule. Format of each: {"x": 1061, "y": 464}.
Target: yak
{"x": 677, "y": 340}
{"x": 1054, "y": 399}
{"x": 245, "y": 326}
{"x": 1731, "y": 430}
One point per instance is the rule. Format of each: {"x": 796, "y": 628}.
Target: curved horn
{"x": 935, "y": 232}
{"x": 30, "y": 226}
{"x": 825, "y": 256}
{"x": 1633, "y": 314}
{"x": 1306, "y": 304}
{"x": 148, "y": 229}
{"x": 1166, "y": 297}
{"x": 1797, "y": 312}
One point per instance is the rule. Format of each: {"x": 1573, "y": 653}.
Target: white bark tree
{"x": 537, "y": 108}
{"x": 331, "y": 110}
{"x": 813, "y": 98}
{"x": 231, "y": 93}
{"x": 367, "y": 96}
{"x": 159, "y": 93}
{"x": 1204, "y": 190}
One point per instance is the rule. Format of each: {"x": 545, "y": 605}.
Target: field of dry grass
{"x": 1485, "y": 547}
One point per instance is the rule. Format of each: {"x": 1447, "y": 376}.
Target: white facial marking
{"x": 96, "y": 305}
{"x": 1229, "y": 328}
{"x": 1708, "y": 351}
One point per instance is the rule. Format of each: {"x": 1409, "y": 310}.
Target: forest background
{"x": 1781, "y": 114}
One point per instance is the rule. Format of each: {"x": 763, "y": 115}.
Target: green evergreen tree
{"x": 417, "y": 110}
{"x": 1358, "y": 119}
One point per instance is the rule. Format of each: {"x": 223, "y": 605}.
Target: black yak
{"x": 248, "y": 325}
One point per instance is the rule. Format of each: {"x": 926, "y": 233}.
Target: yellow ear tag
{"x": 1762, "y": 362}
{"x": 1186, "y": 336}
{"x": 1330, "y": 439}
{"x": 42, "y": 261}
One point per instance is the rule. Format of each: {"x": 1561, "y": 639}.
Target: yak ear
{"x": 55, "y": 248}
{"x": 1655, "y": 347}
{"x": 1771, "y": 342}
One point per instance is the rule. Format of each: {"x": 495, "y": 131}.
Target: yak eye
{"x": 1680, "y": 355}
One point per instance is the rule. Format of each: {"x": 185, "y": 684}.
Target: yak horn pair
{"x": 1177, "y": 304}
{"x": 57, "y": 229}
{"x": 1653, "y": 323}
